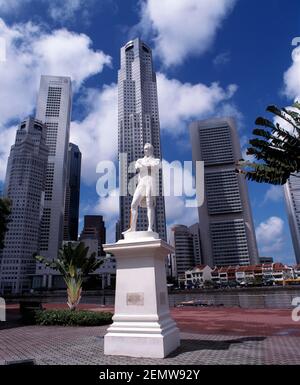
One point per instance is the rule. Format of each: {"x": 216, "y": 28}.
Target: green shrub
{"x": 72, "y": 318}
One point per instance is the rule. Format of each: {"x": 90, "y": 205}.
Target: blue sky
{"x": 213, "y": 57}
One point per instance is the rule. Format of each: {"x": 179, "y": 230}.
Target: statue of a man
{"x": 144, "y": 194}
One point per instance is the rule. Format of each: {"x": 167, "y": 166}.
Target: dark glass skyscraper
{"x": 94, "y": 228}
{"x": 72, "y": 194}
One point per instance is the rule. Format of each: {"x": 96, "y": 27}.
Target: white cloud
{"x": 245, "y": 156}
{"x": 178, "y": 179}
{"x": 178, "y": 213}
{"x": 274, "y": 194}
{"x": 176, "y": 210}
{"x": 291, "y": 88}
{"x": 109, "y": 206}
{"x": 222, "y": 59}
{"x": 64, "y": 10}
{"x": 270, "y": 235}
{"x": 283, "y": 123}
{"x": 179, "y": 102}
{"x": 276, "y": 120}
{"x": 32, "y": 52}
{"x": 60, "y": 11}
{"x": 244, "y": 142}
{"x": 7, "y": 137}
{"x": 97, "y": 134}
{"x": 9, "y": 6}
{"x": 292, "y": 76}
{"x": 69, "y": 53}
{"x": 229, "y": 109}
{"x": 183, "y": 28}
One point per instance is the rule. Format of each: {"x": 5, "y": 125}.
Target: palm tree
{"x": 277, "y": 149}
{"x": 5, "y": 210}
{"x": 74, "y": 264}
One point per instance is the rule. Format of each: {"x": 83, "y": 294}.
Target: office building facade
{"x": 54, "y": 109}
{"x": 182, "y": 239}
{"x": 94, "y": 228}
{"x": 226, "y": 225}
{"x": 72, "y": 197}
{"x": 195, "y": 231}
{"x": 138, "y": 124}
{"x": 292, "y": 203}
{"x": 25, "y": 187}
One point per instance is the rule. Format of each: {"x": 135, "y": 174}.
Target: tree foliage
{"x": 276, "y": 149}
{"x": 74, "y": 264}
{"x": 5, "y": 210}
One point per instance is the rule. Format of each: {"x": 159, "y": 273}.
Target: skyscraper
{"x": 54, "y": 109}
{"x": 182, "y": 240}
{"x": 72, "y": 194}
{"x": 195, "y": 231}
{"x": 94, "y": 228}
{"x": 226, "y": 225}
{"x": 138, "y": 123}
{"x": 292, "y": 202}
{"x": 24, "y": 186}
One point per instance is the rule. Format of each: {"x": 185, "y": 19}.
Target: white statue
{"x": 144, "y": 195}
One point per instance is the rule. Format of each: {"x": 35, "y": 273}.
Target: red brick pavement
{"x": 236, "y": 321}
{"x": 217, "y": 336}
{"x": 225, "y": 321}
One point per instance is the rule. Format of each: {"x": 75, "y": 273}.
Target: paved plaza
{"x": 209, "y": 336}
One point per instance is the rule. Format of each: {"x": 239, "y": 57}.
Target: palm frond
{"x": 276, "y": 149}
{"x": 74, "y": 264}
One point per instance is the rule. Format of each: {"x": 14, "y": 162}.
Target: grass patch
{"x": 72, "y": 318}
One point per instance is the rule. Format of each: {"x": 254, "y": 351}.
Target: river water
{"x": 276, "y": 298}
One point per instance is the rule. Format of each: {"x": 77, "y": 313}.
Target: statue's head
{"x": 148, "y": 149}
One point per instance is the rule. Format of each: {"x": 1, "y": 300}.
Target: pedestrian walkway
{"x": 208, "y": 337}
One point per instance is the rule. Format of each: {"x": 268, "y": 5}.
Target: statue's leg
{"x": 150, "y": 208}
{"x": 137, "y": 197}
{"x": 150, "y": 215}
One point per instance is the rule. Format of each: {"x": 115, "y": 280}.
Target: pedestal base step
{"x": 141, "y": 345}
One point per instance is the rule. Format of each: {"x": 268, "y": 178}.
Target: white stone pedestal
{"x": 142, "y": 325}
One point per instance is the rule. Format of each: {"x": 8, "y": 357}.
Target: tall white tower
{"x": 138, "y": 123}
{"x": 54, "y": 109}
{"x": 292, "y": 202}
{"x": 226, "y": 226}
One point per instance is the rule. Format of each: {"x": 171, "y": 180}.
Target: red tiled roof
{"x": 241, "y": 268}
{"x": 267, "y": 265}
{"x": 232, "y": 268}
{"x": 200, "y": 267}
{"x": 278, "y": 267}
{"x": 250, "y": 268}
{"x": 258, "y": 268}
